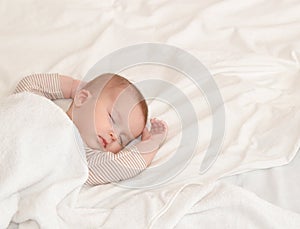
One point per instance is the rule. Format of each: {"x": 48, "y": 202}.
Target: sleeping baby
{"x": 109, "y": 112}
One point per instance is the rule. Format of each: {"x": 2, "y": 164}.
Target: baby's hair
{"x": 96, "y": 84}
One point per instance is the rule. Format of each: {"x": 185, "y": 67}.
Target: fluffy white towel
{"x": 42, "y": 162}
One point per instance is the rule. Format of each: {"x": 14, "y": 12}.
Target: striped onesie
{"x": 104, "y": 167}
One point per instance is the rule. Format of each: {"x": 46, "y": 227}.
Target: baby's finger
{"x": 153, "y": 120}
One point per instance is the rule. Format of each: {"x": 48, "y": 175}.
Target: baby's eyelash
{"x": 111, "y": 118}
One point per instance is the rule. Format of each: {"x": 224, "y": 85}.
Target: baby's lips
{"x": 103, "y": 141}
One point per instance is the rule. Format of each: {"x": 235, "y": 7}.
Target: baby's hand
{"x": 152, "y": 140}
{"x": 157, "y": 133}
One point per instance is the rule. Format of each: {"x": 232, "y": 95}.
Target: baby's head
{"x": 109, "y": 112}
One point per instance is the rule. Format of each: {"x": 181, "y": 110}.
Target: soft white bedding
{"x": 252, "y": 50}
{"x": 278, "y": 185}
{"x": 42, "y": 166}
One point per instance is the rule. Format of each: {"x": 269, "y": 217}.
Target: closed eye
{"x": 111, "y": 118}
{"x": 120, "y": 137}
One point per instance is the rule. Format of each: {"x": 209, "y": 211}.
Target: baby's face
{"x": 118, "y": 119}
{"x": 108, "y": 121}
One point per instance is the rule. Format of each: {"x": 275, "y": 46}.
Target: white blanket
{"x": 190, "y": 205}
{"x": 42, "y": 161}
{"x": 221, "y": 206}
{"x": 194, "y": 206}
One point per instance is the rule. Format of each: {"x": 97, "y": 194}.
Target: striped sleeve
{"x": 107, "y": 167}
{"x": 44, "y": 84}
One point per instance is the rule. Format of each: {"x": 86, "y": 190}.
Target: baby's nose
{"x": 113, "y": 136}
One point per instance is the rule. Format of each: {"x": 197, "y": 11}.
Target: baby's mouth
{"x": 103, "y": 141}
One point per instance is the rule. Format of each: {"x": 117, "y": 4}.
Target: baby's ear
{"x": 81, "y": 97}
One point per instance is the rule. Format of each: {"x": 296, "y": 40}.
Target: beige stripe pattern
{"x": 104, "y": 167}
{"x": 44, "y": 84}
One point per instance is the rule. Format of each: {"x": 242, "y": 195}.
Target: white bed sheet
{"x": 279, "y": 186}
{"x": 253, "y": 51}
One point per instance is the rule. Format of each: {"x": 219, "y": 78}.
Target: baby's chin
{"x": 112, "y": 149}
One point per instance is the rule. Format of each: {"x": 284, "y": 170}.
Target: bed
{"x": 226, "y": 164}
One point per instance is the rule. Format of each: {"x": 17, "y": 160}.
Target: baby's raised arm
{"x": 152, "y": 140}
{"x": 50, "y": 85}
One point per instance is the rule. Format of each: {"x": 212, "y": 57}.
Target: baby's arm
{"x": 152, "y": 140}
{"x": 50, "y": 85}
{"x": 107, "y": 167}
